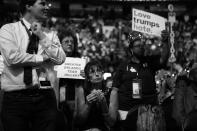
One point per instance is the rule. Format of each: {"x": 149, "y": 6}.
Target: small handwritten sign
{"x": 71, "y": 68}
{"x": 148, "y": 23}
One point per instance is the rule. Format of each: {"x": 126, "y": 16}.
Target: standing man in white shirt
{"x": 28, "y": 77}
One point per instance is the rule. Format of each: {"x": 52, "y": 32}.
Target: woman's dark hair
{"x": 68, "y": 33}
{"x": 89, "y": 65}
{"x": 23, "y": 3}
{"x": 88, "y": 84}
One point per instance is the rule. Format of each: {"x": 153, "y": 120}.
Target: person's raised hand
{"x": 101, "y": 96}
{"x": 82, "y": 73}
{"x": 164, "y": 35}
{"x": 36, "y": 29}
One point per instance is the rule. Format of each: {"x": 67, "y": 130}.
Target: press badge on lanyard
{"x": 136, "y": 85}
{"x": 136, "y": 88}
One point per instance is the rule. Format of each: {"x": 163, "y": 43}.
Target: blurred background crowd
{"x": 102, "y": 33}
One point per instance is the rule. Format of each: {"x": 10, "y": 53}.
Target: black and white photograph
{"x": 98, "y": 65}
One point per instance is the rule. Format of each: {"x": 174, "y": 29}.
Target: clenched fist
{"x": 37, "y": 29}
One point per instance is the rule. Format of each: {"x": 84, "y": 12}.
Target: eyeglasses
{"x": 95, "y": 71}
{"x": 135, "y": 36}
{"x": 139, "y": 43}
{"x": 67, "y": 42}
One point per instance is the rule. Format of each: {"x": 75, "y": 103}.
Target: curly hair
{"x": 89, "y": 65}
{"x": 88, "y": 84}
{"x": 68, "y": 33}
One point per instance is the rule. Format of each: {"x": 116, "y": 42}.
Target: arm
{"x": 53, "y": 50}
{"x": 178, "y": 105}
{"x": 165, "y": 52}
{"x": 161, "y": 95}
{"x": 113, "y": 106}
{"x": 159, "y": 58}
{"x": 165, "y": 48}
{"x": 81, "y": 107}
{"x": 113, "y": 100}
{"x": 12, "y": 53}
{"x": 104, "y": 108}
{"x": 109, "y": 114}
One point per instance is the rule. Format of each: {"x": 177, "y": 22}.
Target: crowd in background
{"x": 106, "y": 40}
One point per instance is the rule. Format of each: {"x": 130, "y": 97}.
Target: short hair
{"x": 23, "y": 3}
{"x": 68, "y": 33}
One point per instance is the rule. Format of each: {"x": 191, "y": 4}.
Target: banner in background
{"x": 148, "y": 23}
{"x": 71, "y": 68}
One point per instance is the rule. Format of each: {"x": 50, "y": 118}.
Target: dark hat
{"x": 134, "y": 35}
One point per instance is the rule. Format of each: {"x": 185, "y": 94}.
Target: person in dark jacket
{"x": 133, "y": 93}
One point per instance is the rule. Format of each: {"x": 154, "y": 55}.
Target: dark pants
{"x": 130, "y": 124}
{"x": 191, "y": 124}
{"x": 171, "y": 124}
{"x": 29, "y": 110}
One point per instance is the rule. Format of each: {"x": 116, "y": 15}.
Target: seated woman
{"x": 91, "y": 109}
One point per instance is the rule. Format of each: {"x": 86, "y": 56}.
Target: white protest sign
{"x": 146, "y": 22}
{"x": 71, "y": 68}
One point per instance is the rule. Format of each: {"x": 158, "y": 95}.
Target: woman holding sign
{"x": 69, "y": 45}
{"x": 91, "y": 110}
{"x": 67, "y": 86}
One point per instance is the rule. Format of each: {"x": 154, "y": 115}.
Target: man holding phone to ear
{"x": 28, "y": 77}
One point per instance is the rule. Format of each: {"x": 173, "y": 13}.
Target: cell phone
{"x": 45, "y": 83}
{"x": 136, "y": 85}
